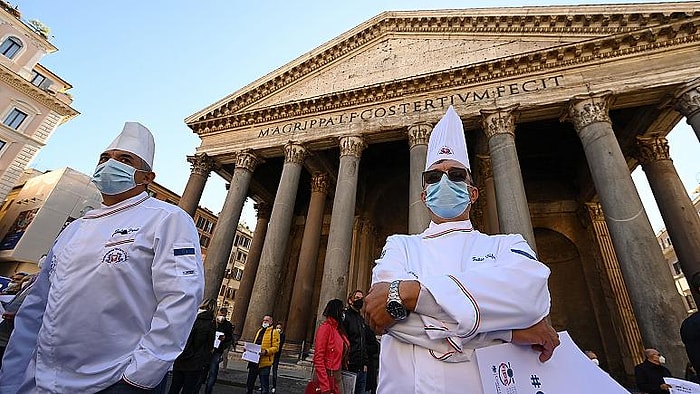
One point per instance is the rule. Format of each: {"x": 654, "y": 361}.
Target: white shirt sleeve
{"x": 23, "y": 340}
{"x": 510, "y": 293}
{"x": 178, "y": 284}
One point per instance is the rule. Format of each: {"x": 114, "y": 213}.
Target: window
{"x": 37, "y": 79}
{"x": 691, "y": 302}
{"x": 14, "y": 119}
{"x": 10, "y": 47}
{"x": 237, "y": 273}
{"x": 222, "y": 291}
{"x": 2, "y": 144}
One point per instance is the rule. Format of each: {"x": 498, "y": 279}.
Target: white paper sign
{"x": 513, "y": 369}
{"x": 217, "y": 341}
{"x": 252, "y": 352}
{"x": 680, "y": 386}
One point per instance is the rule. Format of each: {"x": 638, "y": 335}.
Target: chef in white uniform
{"x": 118, "y": 293}
{"x": 451, "y": 289}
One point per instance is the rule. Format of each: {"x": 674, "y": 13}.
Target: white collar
{"x": 435, "y": 230}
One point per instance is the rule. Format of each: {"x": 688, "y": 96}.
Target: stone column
{"x": 335, "y": 269}
{"x": 242, "y": 300}
{"x": 682, "y": 222}
{"x": 418, "y": 215}
{"x": 687, "y": 102}
{"x": 300, "y": 309}
{"x": 657, "y": 305}
{"x": 627, "y": 332}
{"x": 201, "y": 169}
{"x": 511, "y": 202}
{"x": 488, "y": 195}
{"x": 271, "y": 259}
{"x": 225, "y": 230}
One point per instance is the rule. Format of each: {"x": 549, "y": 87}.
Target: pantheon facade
{"x": 559, "y": 105}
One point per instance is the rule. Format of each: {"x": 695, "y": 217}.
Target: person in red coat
{"x": 330, "y": 346}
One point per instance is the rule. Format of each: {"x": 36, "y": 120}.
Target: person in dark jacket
{"x": 278, "y": 355}
{"x": 650, "y": 374}
{"x": 225, "y": 330}
{"x": 194, "y": 359}
{"x": 690, "y": 331}
{"x": 356, "y": 329}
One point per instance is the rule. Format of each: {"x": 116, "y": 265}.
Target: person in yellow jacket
{"x": 269, "y": 340}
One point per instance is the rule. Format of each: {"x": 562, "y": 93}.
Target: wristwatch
{"x": 394, "y": 306}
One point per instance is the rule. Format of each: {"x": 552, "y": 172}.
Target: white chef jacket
{"x": 475, "y": 289}
{"x": 116, "y": 298}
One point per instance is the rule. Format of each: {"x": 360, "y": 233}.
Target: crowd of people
{"x": 431, "y": 298}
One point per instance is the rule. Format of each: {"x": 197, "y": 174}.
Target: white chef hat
{"x": 135, "y": 138}
{"x": 447, "y": 141}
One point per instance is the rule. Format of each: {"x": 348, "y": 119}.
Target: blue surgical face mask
{"x": 113, "y": 177}
{"x": 447, "y": 199}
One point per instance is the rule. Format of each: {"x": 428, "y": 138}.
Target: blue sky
{"x": 158, "y": 62}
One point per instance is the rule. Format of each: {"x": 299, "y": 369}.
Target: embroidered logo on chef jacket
{"x": 483, "y": 258}
{"x": 186, "y": 261}
{"x": 115, "y": 256}
{"x": 125, "y": 231}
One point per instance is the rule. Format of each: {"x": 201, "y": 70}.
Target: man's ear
{"x": 149, "y": 177}
{"x": 473, "y": 194}
{"x": 422, "y": 196}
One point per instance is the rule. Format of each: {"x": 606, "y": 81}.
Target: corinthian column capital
{"x": 201, "y": 164}
{"x": 319, "y": 183}
{"x": 652, "y": 149}
{"x": 687, "y": 98}
{"x": 247, "y": 160}
{"x": 499, "y": 121}
{"x": 595, "y": 211}
{"x": 294, "y": 152}
{"x": 263, "y": 210}
{"x": 352, "y": 145}
{"x": 590, "y": 108}
{"x": 419, "y": 134}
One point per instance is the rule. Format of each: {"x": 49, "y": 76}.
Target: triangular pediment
{"x": 396, "y": 46}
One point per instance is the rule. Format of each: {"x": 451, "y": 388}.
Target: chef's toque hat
{"x": 447, "y": 141}
{"x": 135, "y": 138}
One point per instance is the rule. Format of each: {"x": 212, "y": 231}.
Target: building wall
{"x": 235, "y": 267}
{"x": 673, "y": 263}
{"x": 37, "y": 211}
{"x": 33, "y": 100}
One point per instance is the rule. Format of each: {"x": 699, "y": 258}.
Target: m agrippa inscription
{"x": 410, "y": 107}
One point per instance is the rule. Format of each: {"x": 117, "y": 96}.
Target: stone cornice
{"x": 652, "y": 149}
{"x": 624, "y": 35}
{"x": 42, "y": 97}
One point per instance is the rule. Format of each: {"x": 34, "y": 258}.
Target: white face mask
{"x": 265, "y": 324}
{"x": 662, "y": 359}
{"x": 219, "y": 319}
{"x": 595, "y": 361}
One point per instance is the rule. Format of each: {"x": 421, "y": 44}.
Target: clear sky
{"x": 157, "y": 62}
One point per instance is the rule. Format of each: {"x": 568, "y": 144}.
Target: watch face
{"x": 396, "y": 310}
